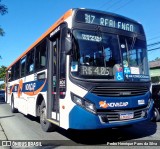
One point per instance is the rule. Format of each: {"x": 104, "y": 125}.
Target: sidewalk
{"x": 3, "y": 138}
{"x": 2, "y": 134}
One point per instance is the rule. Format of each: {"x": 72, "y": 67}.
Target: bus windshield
{"x": 98, "y": 55}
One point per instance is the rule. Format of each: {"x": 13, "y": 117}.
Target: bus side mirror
{"x": 68, "y": 45}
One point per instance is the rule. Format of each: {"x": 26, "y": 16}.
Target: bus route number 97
{"x": 89, "y": 18}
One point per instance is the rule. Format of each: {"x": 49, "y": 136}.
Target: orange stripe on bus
{"x": 11, "y": 90}
{"x": 64, "y": 17}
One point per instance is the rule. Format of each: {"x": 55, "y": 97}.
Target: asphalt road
{"x": 19, "y": 127}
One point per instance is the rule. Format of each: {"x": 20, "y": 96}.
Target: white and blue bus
{"x": 88, "y": 71}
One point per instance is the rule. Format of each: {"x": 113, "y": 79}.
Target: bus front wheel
{"x": 46, "y": 125}
{"x": 156, "y": 115}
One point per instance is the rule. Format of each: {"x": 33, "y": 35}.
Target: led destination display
{"x": 108, "y": 20}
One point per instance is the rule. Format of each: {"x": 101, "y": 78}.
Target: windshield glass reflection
{"x": 98, "y": 55}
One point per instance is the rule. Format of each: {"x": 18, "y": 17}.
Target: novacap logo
{"x": 104, "y": 104}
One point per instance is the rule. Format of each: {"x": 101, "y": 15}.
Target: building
{"x": 155, "y": 71}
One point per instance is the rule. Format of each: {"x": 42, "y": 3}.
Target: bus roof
{"x": 65, "y": 16}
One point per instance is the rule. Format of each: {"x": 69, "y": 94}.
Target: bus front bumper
{"x": 82, "y": 119}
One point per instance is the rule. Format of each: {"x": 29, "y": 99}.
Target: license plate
{"x": 126, "y": 116}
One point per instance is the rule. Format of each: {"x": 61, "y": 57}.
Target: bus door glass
{"x": 55, "y": 90}
{"x": 7, "y": 89}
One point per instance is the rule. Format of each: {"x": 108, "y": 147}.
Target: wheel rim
{"x": 43, "y": 115}
{"x": 155, "y": 113}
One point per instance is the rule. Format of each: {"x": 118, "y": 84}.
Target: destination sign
{"x": 108, "y": 20}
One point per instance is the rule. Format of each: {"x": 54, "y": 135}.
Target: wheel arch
{"x": 40, "y": 98}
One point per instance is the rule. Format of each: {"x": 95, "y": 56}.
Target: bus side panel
{"x": 11, "y": 89}
{"x": 15, "y": 93}
{"x": 32, "y": 88}
{"x": 25, "y": 92}
{"x": 66, "y": 104}
{"x": 20, "y": 99}
{"x": 29, "y": 86}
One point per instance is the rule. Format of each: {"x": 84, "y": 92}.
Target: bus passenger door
{"x": 56, "y": 75}
{"x": 53, "y": 80}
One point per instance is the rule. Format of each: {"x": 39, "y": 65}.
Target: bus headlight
{"x": 83, "y": 103}
{"x": 78, "y": 100}
{"x": 90, "y": 106}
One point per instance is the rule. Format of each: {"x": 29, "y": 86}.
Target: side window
{"x": 12, "y": 74}
{"x": 41, "y": 56}
{"x": 23, "y": 64}
{"x": 16, "y": 70}
{"x": 30, "y": 62}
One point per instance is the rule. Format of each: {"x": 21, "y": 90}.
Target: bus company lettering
{"x": 118, "y": 104}
{"x": 55, "y": 31}
{"x": 104, "y": 104}
{"x": 30, "y": 86}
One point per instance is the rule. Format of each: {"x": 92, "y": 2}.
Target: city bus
{"x": 88, "y": 71}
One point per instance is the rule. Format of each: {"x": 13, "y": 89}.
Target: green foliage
{"x": 2, "y": 86}
{"x": 2, "y": 72}
{"x": 2, "y": 75}
{"x": 155, "y": 79}
{"x": 1, "y": 32}
{"x": 157, "y": 58}
{"x": 3, "y": 9}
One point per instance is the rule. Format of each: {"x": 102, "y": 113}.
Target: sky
{"x": 27, "y": 20}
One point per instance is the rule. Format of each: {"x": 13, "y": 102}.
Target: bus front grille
{"x": 119, "y": 91}
{"x": 114, "y": 115}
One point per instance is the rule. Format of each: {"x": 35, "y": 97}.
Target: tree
{"x": 2, "y": 72}
{"x": 3, "y": 10}
{"x": 1, "y": 32}
{"x": 2, "y": 75}
{"x": 157, "y": 58}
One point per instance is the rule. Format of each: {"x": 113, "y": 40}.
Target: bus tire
{"x": 13, "y": 109}
{"x": 46, "y": 125}
{"x": 156, "y": 115}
